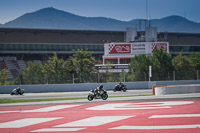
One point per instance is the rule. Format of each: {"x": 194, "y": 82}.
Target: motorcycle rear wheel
{"x": 104, "y": 96}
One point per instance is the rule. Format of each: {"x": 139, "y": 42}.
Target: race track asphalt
{"x": 73, "y": 94}
{"x": 130, "y": 95}
{"x": 142, "y": 116}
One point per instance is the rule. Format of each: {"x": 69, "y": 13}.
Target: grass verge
{"x": 3, "y": 101}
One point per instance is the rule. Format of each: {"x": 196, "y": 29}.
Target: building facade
{"x": 20, "y": 45}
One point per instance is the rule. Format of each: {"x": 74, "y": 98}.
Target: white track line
{"x": 173, "y": 116}
{"x": 46, "y": 109}
{"x": 140, "y": 105}
{"x": 25, "y": 122}
{"x": 94, "y": 121}
{"x": 10, "y": 111}
{"x": 156, "y": 127}
{"x": 52, "y": 108}
{"x": 57, "y": 129}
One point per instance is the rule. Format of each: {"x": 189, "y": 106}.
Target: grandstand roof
{"x": 23, "y": 35}
{"x": 58, "y": 36}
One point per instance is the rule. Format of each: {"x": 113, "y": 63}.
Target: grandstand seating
{"x": 14, "y": 62}
{"x": 14, "y": 66}
{"x": 38, "y": 61}
{"x": 14, "y": 73}
{"x": 2, "y": 64}
{"x": 22, "y": 64}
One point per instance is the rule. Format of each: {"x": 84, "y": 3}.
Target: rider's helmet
{"x": 101, "y": 86}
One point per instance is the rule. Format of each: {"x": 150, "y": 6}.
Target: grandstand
{"x": 18, "y": 46}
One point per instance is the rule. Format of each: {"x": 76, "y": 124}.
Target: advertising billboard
{"x": 159, "y": 45}
{"x": 124, "y": 48}
{"x": 135, "y": 48}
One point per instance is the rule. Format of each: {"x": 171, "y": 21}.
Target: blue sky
{"x": 124, "y": 10}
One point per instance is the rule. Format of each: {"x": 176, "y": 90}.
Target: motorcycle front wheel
{"x": 90, "y": 97}
{"x": 124, "y": 90}
{"x": 104, "y": 96}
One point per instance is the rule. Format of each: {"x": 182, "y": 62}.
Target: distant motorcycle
{"x": 120, "y": 88}
{"x": 17, "y": 91}
{"x": 101, "y": 94}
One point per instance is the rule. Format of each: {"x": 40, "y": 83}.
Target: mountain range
{"x": 51, "y": 18}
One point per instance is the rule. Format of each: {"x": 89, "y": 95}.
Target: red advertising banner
{"x": 160, "y": 45}
{"x": 119, "y": 48}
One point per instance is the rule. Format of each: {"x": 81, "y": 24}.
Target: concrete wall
{"x": 70, "y": 87}
{"x": 89, "y": 86}
{"x": 178, "y": 89}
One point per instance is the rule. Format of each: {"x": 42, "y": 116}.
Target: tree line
{"x": 164, "y": 66}
{"x": 55, "y": 70}
{"x": 80, "y": 68}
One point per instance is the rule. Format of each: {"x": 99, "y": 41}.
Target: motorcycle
{"x": 102, "y": 94}
{"x": 120, "y": 88}
{"x": 15, "y": 92}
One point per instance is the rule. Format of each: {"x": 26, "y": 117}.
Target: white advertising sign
{"x": 140, "y": 48}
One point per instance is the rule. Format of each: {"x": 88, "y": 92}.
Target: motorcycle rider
{"x": 121, "y": 85}
{"x": 98, "y": 93}
{"x": 18, "y": 90}
{"x": 98, "y": 89}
